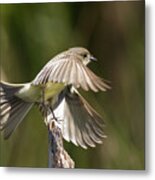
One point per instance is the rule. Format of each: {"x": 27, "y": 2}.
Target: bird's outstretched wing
{"x": 71, "y": 71}
{"x": 79, "y": 122}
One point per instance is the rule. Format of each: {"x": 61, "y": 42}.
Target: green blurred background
{"x": 31, "y": 34}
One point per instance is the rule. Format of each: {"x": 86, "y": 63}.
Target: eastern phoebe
{"x": 56, "y": 87}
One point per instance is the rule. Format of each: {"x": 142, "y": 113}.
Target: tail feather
{"x": 12, "y": 109}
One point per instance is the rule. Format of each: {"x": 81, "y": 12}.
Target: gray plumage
{"x": 12, "y": 109}
{"x": 68, "y": 67}
{"x": 79, "y": 122}
{"x": 81, "y": 125}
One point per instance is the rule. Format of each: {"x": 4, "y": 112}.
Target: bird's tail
{"x": 12, "y": 108}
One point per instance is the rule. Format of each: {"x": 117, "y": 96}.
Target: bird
{"x": 55, "y": 90}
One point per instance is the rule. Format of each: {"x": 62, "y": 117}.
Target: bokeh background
{"x": 31, "y": 34}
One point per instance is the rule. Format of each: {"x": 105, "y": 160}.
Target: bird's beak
{"x": 92, "y": 58}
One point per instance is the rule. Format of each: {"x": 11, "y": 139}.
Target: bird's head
{"x": 85, "y": 56}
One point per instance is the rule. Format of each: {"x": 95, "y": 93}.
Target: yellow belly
{"x": 34, "y": 93}
{"x": 52, "y": 89}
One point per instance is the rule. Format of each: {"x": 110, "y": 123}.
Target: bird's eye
{"x": 84, "y": 55}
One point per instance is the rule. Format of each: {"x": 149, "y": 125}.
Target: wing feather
{"x": 81, "y": 124}
{"x": 89, "y": 80}
{"x": 66, "y": 76}
{"x": 54, "y": 75}
{"x": 81, "y": 77}
{"x": 73, "y": 75}
{"x": 62, "y": 72}
{"x": 97, "y": 81}
{"x": 70, "y": 70}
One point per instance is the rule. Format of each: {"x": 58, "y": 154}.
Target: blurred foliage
{"x": 31, "y": 34}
